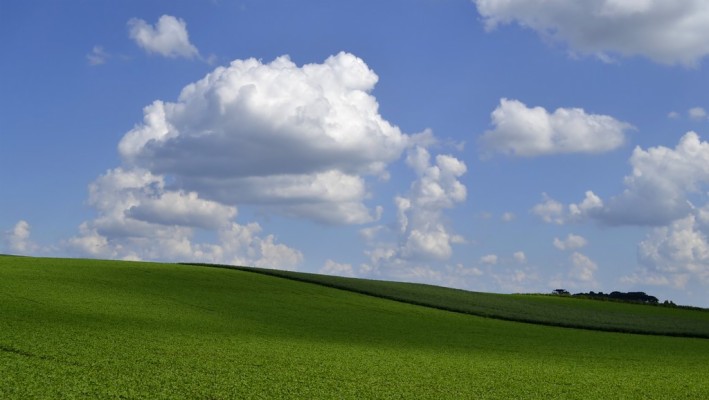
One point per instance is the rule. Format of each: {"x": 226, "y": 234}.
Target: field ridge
{"x": 556, "y": 311}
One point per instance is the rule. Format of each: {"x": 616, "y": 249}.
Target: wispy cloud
{"x": 98, "y": 56}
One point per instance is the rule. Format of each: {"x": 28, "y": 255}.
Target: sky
{"x": 491, "y": 145}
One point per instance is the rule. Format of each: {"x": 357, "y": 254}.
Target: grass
{"x": 107, "y": 329}
{"x": 564, "y": 311}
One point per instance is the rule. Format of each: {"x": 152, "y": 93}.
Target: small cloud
{"x": 425, "y": 138}
{"x": 18, "y": 239}
{"x": 582, "y": 268}
{"x": 97, "y": 56}
{"x": 580, "y": 274}
{"x": 554, "y": 212}
{"x": 168, "y": 37}
{"x": 508, "y": 217}
{"x": 571, "y": 242}
{"x": 335, "y": 268}
{"x": 489, "y": 259}
{"x": 550, "y": 210}
{"x": 673, "y": 115}
{"x": 462, "y": 271}
{"x": 697, "y": 113}
{"x": 520, "y": 257}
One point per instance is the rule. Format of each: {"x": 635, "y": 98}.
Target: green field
{"x": 551, "y": 310}
{"x": 108, "y": 329}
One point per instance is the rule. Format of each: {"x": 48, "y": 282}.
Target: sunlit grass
{"x": 540, "y": 309}
{"x": 104, "y": 329}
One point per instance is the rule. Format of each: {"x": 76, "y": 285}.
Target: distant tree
{"x": 561, "y": 292}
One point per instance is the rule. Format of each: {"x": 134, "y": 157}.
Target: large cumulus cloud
{"x": 273, "y": 134}
{"x": 301, "y": 141}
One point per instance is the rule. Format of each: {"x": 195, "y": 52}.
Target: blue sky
{"x": 504, "y": 146}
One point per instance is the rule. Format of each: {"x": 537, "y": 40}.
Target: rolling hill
{"x": 563, "y": 311}
{"x": 111, "y": 329}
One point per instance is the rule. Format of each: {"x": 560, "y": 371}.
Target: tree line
{"x": 632, "y": 297}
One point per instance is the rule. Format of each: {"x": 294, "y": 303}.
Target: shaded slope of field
{"x": 538, "y": 309}
{"x": 104, "y": 329}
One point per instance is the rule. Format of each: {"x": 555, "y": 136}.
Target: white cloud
{"x": 18, "y": 239}
{"x": 168, "y": 37}
{"x": 489, "y": 259}
{"x": 697, "y": 113}
{"x": 520, "y": 257}
{"x": 656, "y": 192}
{"x": 431, "y": 241}
{"x": 516, "y": 280}
{"x": 139, "y": 218}
{"x": 459, "y": 270}
{"x": 580, "y": 275}
{"x": 97, "y": 56}
{"x": 582, "y": 268}
{"x": 458, "y": 276}
{"x": 669, "y": 32}
{"x": 421, "y": 238}
{"x": 294, "y": 140}
{"x": 675, "y": 254}
{"x": 529, "y": 132}
{"x": 657, "y": 189}
{"x": 694, "y": 113}
{"x": 590, "y": 204}
{"x": 138, "y": 197}
{"x": 241, "y": 244}
{"x": 571, "y": 242}
{"x": 508, "y": 217}
{"x": 335, "y": 268}
{"x": 550, "y": 210}
{"x": 420, "y": 219}
{"x": 186, "y": 209}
